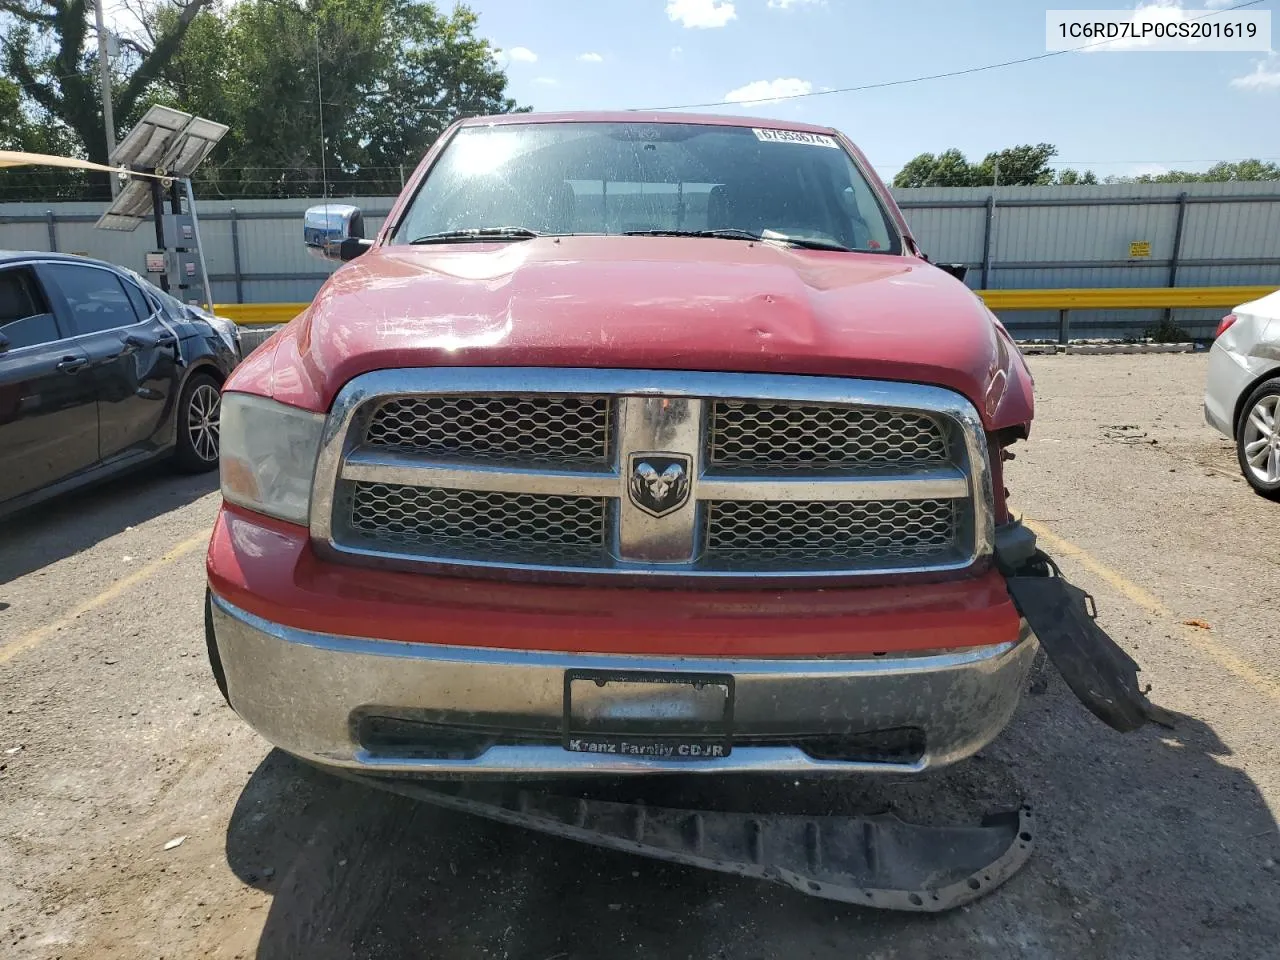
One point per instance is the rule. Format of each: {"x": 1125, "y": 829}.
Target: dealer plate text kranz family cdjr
{"x": 671, "y": 751}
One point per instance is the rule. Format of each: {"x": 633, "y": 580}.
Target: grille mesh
{"x": 567, "y": 436}
{"x": 783, "y": 436}
{"x": 476, "y": 524}
{"x": 756, "y": 532}
{"x": 534, "y": 428}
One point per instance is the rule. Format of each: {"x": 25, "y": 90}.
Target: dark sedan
{"x": 100, "y": 371}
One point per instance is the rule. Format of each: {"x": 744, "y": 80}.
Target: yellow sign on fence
{"x": 1139, "y": 248}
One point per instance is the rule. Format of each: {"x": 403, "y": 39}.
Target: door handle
{"x": 72, "y": 364}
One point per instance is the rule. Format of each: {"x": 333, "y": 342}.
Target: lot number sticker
{"x": 795, "y": 136}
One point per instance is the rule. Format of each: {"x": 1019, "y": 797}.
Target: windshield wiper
{"x": 733, "y": 233}
{"x": 811, "y": 243}
{"x": 479, "y": 234}
{"x": 725, "y": 233}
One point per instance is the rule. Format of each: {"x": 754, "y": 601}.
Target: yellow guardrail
{"x": 259, "y": 314}
{"x": 1120, "y": 298}
{"x": 1098, "y": 298}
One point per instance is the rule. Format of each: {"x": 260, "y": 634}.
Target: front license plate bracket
{"x": 648, "y": 714}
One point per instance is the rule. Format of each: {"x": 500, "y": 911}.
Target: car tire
{"x": 199, "y": 420}
{"x": 1258, "y": 439}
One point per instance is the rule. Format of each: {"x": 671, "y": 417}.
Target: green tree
{"x": 1227, "y": 170}
{"x": 25, "y": 127}
{"x": 1026, "y": 165}
{"x": 47, "y": 50}
{"x": 947, "y": 169}
{"x": 392, "y": 74}
{"x": 1023, "y": 165}
{"x": 1069, "y": 177}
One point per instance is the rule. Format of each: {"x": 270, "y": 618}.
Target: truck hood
{"x": 645, "y": 303}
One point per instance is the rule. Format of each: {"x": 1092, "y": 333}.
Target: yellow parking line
{"x": 40, "y": 634}
{"x": 1202, "y": 641}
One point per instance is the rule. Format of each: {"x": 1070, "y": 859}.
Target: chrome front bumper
{"x": 305, "y": 692}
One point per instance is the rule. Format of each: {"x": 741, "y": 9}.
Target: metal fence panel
{"x": 1200, "y": 234}
{"x": 950, "y": 235}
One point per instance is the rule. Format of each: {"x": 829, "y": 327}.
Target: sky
{"x": 1119, "y": 113}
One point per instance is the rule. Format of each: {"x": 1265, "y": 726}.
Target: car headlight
{"x": 268, "y": 455}
{"x": 227, "y": 331}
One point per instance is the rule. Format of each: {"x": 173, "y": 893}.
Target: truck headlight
{"x": 268, "y": 455}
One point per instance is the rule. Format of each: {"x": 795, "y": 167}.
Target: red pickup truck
{"x": 632, "y": 443}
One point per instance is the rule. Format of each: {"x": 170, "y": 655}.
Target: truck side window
{"x": 25, "y": 320}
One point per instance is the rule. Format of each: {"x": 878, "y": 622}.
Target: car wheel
{"x": 199, "y": 413}
{"x": 1258, "y": 439}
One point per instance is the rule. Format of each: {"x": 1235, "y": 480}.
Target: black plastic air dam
{"x": 1101, "y": 674}
{"x": 874, "y": 861}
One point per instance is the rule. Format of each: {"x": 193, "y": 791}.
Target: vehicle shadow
{"x": 1148, "y": 843}
{"x": 66, "y": 525}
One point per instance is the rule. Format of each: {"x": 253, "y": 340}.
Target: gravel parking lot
{"x": 114, "y": 742}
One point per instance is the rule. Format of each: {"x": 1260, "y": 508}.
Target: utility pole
{"x": 104, "y": 69}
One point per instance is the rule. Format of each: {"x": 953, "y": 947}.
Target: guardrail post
{"x": 51, "y": 222}
{"x": 235, "y": 257}
{"x": 1064, "y": 327}
{"x": 986, "y": 241}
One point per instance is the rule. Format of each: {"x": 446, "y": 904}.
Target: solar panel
{"x": 169, "y": 141}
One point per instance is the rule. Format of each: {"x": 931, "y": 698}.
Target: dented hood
{"x": 645, "y": 303}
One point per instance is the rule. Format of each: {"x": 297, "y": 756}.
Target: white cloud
{"x": 522, "y": 55}
{"x": 1265, "y": 76}
{"x": 788, "y": 4}
{"x": 676, "y": 53}
{"x": 1219, "y": 4}
{"x": 590, "y": 58}
{"x": 1151, "y": 11}
{"x": 769, "y": 91}
{"x": 704, "y": 14}
{"x": 546, "y": 81}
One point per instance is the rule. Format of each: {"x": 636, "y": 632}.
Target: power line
{"x": 1105, "y": 163}
{"x": 910, "y": 80}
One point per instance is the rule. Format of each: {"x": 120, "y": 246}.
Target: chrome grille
{"x": 540, "y": 429}
{"x": 754, "y": 533}
{"x": 466, "y": 524}
{"x": 790, "y": 436}
{"x": 552, "y": 469}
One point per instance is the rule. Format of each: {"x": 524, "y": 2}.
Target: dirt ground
{"x": 1157, "y": 844}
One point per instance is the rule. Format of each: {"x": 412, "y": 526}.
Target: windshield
{"x": 621, "y": 178}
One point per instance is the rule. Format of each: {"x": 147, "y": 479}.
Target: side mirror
{"x": 4, "y": 343}
{"x": 957, "y": 270}
{"x": 334, "y": 231}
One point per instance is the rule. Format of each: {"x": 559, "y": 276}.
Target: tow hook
{"x": 1101, "y": 675}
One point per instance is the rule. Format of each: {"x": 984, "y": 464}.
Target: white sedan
{"x": 1242, "y": 395}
